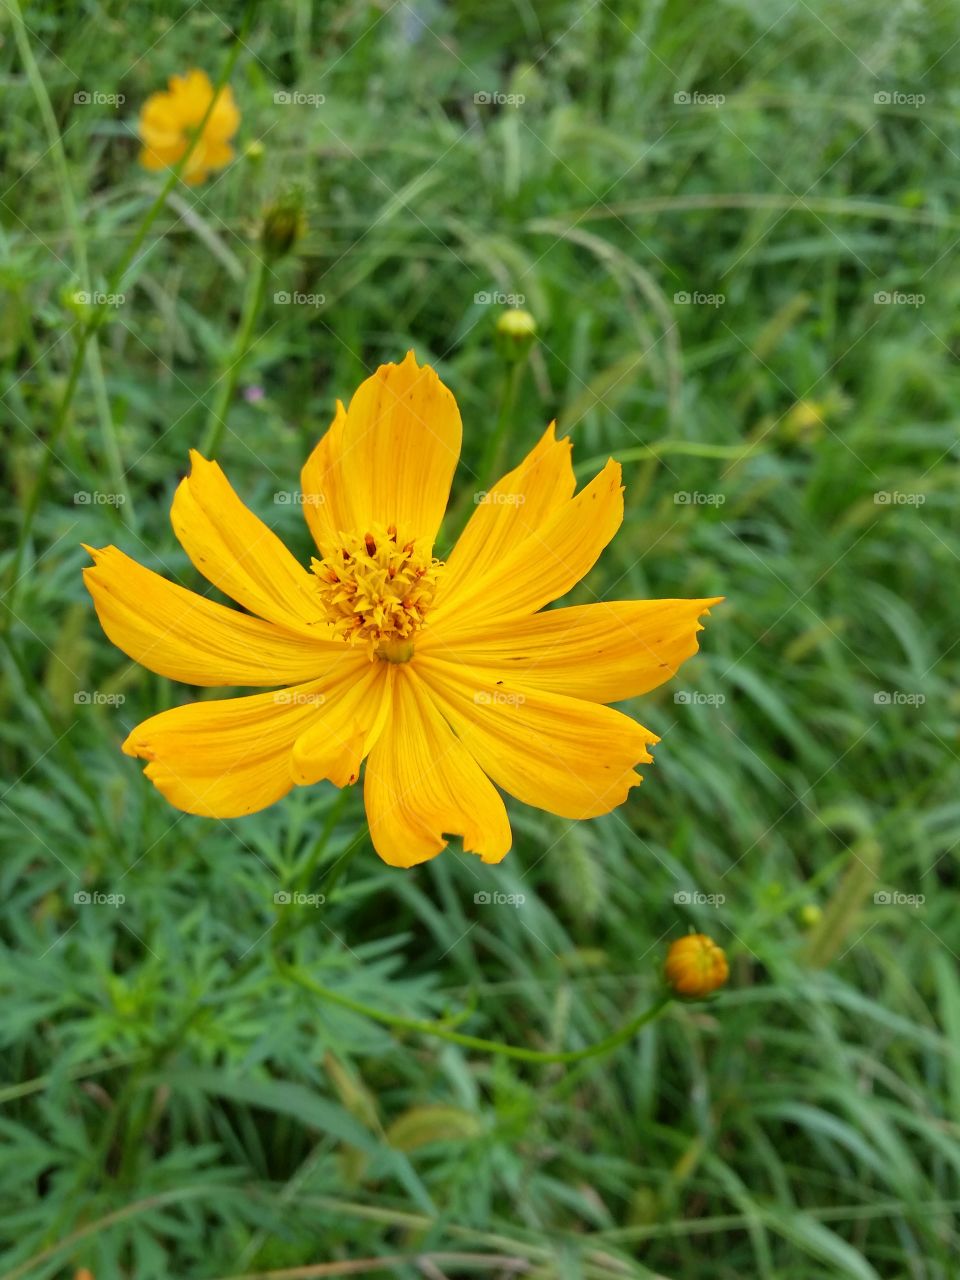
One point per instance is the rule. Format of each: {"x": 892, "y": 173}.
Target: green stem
{"x": 661, "y": 448}
{"x": 89, "y": 326}
{"x": 227, "y": 382}
{"x": 440, "y": 1032}
{"x": 111, "y": 446}
{"x": 10, "y": 1092}
{"x": 305, "y": 877}
{"x": 290, "y": 923}
{"x": 493, "y": 454}
{"x": 55, "y": 141}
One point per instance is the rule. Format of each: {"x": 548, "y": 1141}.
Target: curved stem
{"x": 89, "y": 326}
{"x": 441, "y": 1032}
{"x": 227, "y": 382}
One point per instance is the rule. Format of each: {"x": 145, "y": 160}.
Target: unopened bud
{"x": 516, "y": 333}
{"x": 696, "y": 966}
{"x": 284, "y": 224}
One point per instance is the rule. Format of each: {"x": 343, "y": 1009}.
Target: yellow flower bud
{"x": 696, "y": 966}
{"x": 516, "y": 331}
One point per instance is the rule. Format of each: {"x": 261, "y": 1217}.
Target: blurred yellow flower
{"x": 446, "y": 677}
{"x": 170, "y": 119}
{"x": 696, "y": 965}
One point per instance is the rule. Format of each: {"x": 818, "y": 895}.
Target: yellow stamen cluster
{"x": 377, "y": 590}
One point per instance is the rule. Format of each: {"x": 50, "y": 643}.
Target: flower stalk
{"x": 440, "y": 1032}
{"x": 87, "y": 328}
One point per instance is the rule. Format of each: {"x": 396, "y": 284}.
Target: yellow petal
{"x": 553, "y": 557}
{"x": 160, "y": 136}
{"x": 236, "y": 551}
{"x": 355, "y": 710}
{"x": 160, "y": 158}
{"x": 180, "y": 634}
{"x": 603, "y": 652}
{"x": 191, "y": 94}
{"x": 212, "y": 154}
{"x": 567, "y": 756}
{"x": 159, "y": 121}
{"x": 510, "y": 513}
{"x": 421, "y": 785}
{"x": 233, "y": 757}
{"x": 399, "y": 448}
{"x": 224, "y": 118}
{"x": 326, "y": 501}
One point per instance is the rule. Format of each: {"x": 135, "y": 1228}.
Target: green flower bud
{"x": 516, "y": 333}
{"x": 284, "y": 223}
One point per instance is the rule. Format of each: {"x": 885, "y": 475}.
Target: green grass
{"x": 172, "y": 1103}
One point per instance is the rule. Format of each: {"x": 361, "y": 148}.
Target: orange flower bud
{"x": 696, "y": 966}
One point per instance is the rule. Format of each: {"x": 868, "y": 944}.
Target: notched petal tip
{"x": 491, "y": 856}
{"x": 136, "y": 747}
{"x": 408, "y": 364}
{"x": 613, "y": 472}
{"x": 198, "y": 462}
{"x": 96, "y": 554}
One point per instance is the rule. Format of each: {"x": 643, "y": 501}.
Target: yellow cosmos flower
{"x": 445, "y": 676}
{"x": 696, "y": 966}
{"x": 170, "y": 119}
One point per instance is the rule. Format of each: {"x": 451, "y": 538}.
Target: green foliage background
{"x": 173, "y": 1102}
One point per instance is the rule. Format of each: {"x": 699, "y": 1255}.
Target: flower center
{"x": 377, "y": 590}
